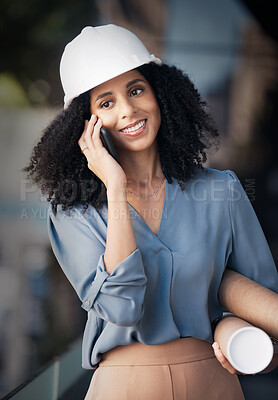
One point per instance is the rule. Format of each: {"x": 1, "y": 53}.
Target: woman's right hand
{"x": 100, "y": 162}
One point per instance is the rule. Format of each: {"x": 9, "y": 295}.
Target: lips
{"x": 131, "y": 128}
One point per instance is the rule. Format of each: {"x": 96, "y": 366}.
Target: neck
{"x": 142, "y": 167}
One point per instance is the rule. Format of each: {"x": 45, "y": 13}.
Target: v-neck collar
{"x": 138, "y": 216}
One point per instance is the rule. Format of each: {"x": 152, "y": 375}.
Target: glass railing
{"x": 62, "y": 378}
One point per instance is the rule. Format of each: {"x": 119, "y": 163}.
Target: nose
{"x": 126, "y": 108}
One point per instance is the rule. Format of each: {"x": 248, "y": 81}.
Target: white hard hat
{"x": 98, "y": 54}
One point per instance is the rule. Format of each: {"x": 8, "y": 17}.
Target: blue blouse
{"x": 167, "y": 288}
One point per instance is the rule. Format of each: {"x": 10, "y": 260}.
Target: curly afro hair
{"x": 187, "y": 130}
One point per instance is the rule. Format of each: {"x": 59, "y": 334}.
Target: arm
{"x": 78, "y": 242}
{"x": 108, "y": 275}
{"x": 120, "y": 241}
{"x": 250, "y": 254}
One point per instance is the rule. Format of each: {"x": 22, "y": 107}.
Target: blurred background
{"x": 229, "y": 50}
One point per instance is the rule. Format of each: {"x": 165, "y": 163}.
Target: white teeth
{"x": 134, "y": 128}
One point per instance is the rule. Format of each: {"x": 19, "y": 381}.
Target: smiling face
{"x": 129, "y": 110}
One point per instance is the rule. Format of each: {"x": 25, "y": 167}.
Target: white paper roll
{"x": 248, "y": 348}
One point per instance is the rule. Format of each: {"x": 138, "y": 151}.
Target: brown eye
{"x": 106, "y": 104}
{"x": 135, "y": 92}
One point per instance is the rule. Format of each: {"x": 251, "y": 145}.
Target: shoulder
{"x": 210, "y": 184}
{"x": 75, "y": 222}
{"x": 74, "y": 215}
{"x": 211, "y": 176}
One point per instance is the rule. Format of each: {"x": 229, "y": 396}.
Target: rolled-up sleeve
{"x": 79, "y": 248}
{"x": 250, "y": 254}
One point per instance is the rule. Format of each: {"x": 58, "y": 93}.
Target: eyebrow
{"x": 127, "y": 86}
{"x": 103, "y": 95}
{"x": 134, "y": 81}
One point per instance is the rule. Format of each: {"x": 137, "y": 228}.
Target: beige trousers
{"x": 185, "y": 369}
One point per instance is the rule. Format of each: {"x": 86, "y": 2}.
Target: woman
{"x": 144, "y": 242}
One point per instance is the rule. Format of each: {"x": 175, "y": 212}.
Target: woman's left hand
{"x": 223, "y": 360}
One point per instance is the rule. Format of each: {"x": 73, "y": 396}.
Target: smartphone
{"x": 107, "y": 142}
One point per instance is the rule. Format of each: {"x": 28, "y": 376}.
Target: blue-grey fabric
{"x": 167, "y": 288}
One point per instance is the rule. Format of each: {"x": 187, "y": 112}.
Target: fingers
{"x": 81, "y": 142}
{"x": 90, "y": 138}
{"x": 88, "y": 133}
{"x": 96, "y": 134}
{"x": 222, "y": 359}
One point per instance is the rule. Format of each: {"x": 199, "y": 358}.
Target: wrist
{"x": 116, "y": 191}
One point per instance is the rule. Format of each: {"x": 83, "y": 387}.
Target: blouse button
{"x": 87, "y": 303}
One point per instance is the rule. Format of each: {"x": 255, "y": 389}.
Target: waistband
{"x": 176, "y": 352}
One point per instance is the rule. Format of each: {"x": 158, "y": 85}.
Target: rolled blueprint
{"x": 248, "y": 349}
{"x": 250, "y": 301}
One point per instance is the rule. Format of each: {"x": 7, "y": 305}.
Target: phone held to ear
{"x": 107, "y": 142}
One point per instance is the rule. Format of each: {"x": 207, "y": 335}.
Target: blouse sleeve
{"x": 250, "y": 254}
{"x": 79, "y": 249}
